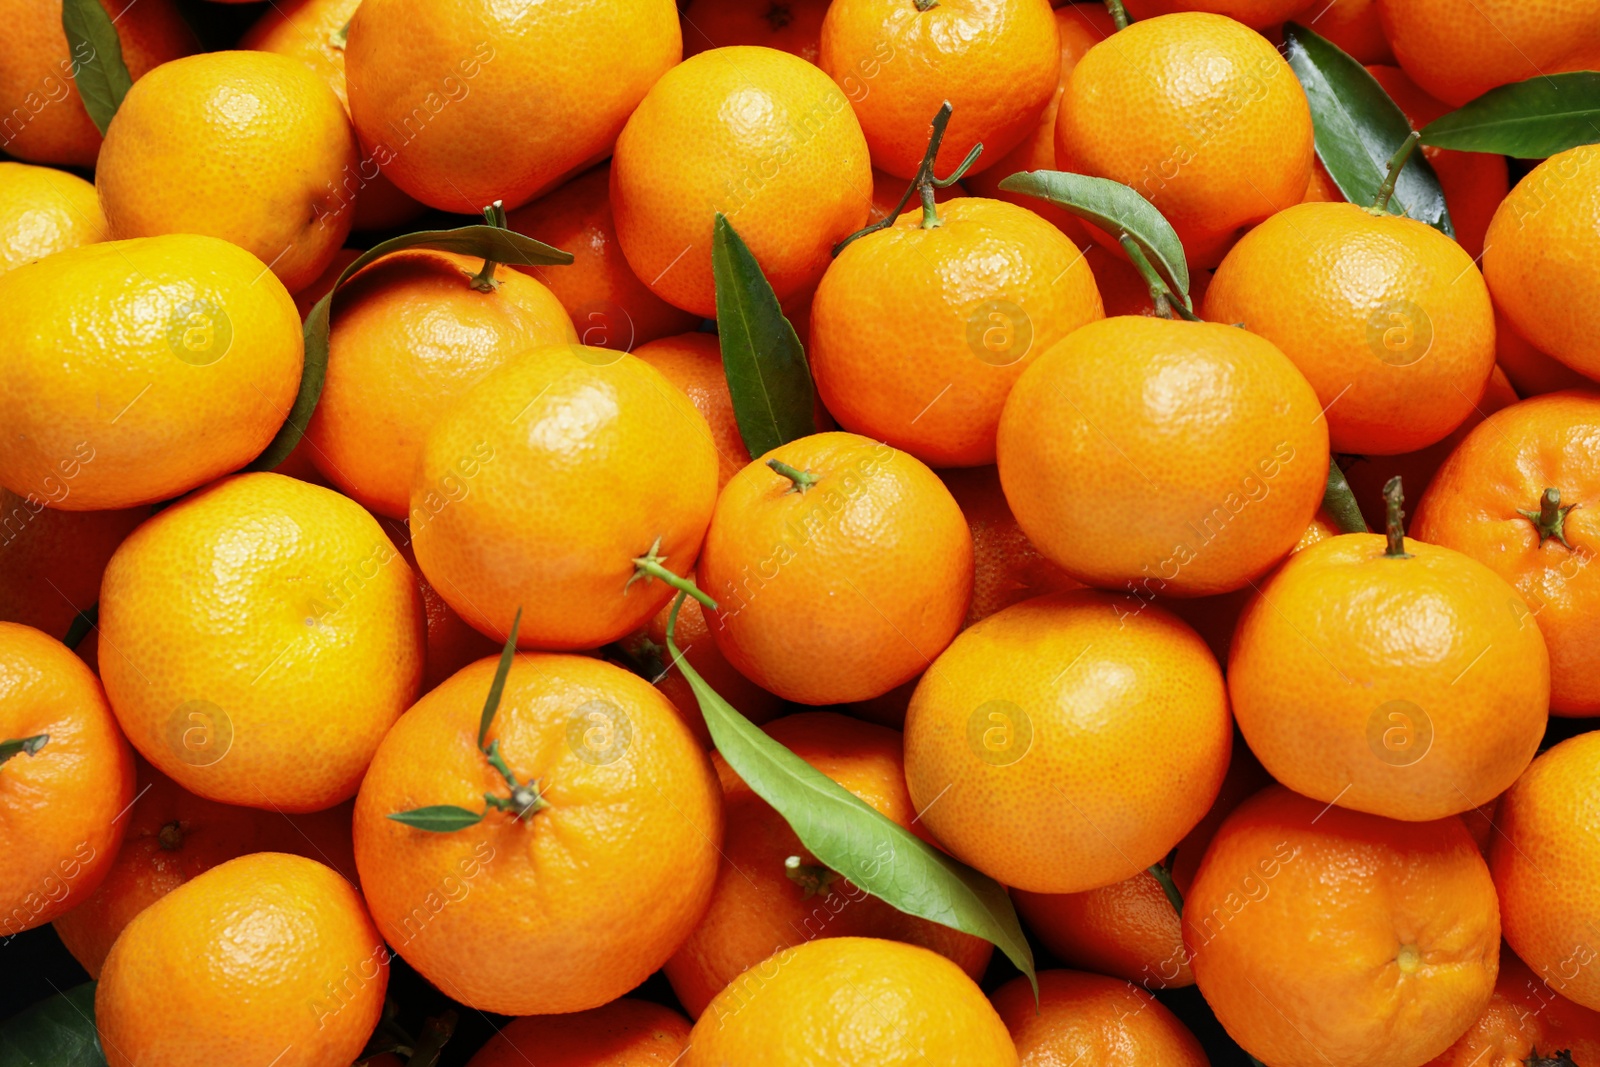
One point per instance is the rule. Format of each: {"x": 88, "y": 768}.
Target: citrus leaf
{"x": 489, "y": 242}
{"x": 768, "y": 378}
{"x": 18, "y": 745}
{"x": 83, "y": 622}
{"x": 1529, "y": 120}
{"x": 498, "y": 686}
{"x": 58, "y": 1032}
{"x": 97, "y": 67}
{"x": 1358, "y": 129}
{"x": 1339, "y": 501}
{"x": 439, "y": 819}
{"x": 1115, "y": 208}
{"x": 851, "y": 837}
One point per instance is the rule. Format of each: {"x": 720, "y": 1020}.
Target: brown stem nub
{"x": 1551, "y": 517}
{"x": 1397, "y": 162}
{"x": 810, "y": 877}
{"x": 170, "y": 836}
{"x": 1394, "y": 499}
{"x": 924, "y": 184}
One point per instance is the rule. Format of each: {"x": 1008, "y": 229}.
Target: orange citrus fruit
{"x": 1257, "y": 14}
{"x": 1526, "y": 1020}
{"x": 1123, "y": 289}
{"x": 1529, "y": 370}
{"x": 624, "y": 1033}
{"x": 693, "y": 362}
{"x": 858, "y": 559}
{"x": 762, "y": 137}
{"x": 1185, "y": 457}
{"x": 1006, "y": 568}
{"x": 451, "y": 643}
{"x": 1091, "y": 1018}
{"x": 540, "y": 484}
{"x": 43, "y": 210}
{"x": 793, "y": 26}
{"x": 1047, "y": 745}
{"x": 919, "y": 331}
{"x": 1354, "y": 26}
{"x": 51, "y": 560}
{"x": 602, "y": 874}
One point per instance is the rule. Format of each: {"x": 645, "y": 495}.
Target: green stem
{"x": 484, "y": 281}
{"x": 1161, "y": 294}
{"x": 1551, "y": 517}
{"x": 1168, "y": 886}
{"x": 652, "y": 565}
{"x": 924, "y": 183}
{"x": 1394, "y": 499}
{"x": 1339, "y": 501}
{"x": 82, "y": 623}
{"x": 1380, "y": 203}
{"x": 802, "y": 480}
{"x": 30, "y": 745}
{"x": 1119, "y": 14}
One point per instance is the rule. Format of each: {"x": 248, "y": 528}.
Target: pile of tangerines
{"x": 792, "y": 497}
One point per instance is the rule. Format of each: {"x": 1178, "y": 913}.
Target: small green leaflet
{"x": 96, "y": 56}
{"x": 1115, "y": 208}
{"x": 1339, "y": 501}
{"x": 498, "y": 686}
{"x": 58, "y": 1032}
{"x": 768, "y": 378}
{"x": 1529, "y": 120}
{"x": 488, "y": 242}
{"x": 439, "y": 819}
{"x": 1358, "y": 128}
{"x": 849, "y": 836}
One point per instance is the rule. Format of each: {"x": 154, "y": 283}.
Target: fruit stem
{"x": 1394, "y": 499}
{"x": 1339, "y": 501}
{"x": 1168, "y": 886}
{"x": 652, "y": 565}
{"x": 926, "y": 5}
{"x": 30, "y": 745}
{"x": 1119, "y": 14}
{"x": 924, "y": 183}
{"x": 1166, "y": 301}
{"x": 82, "y": 623}
{"x": 484, "y": 281}
{"x": 170, "y": 836}
{"x": 802, "y": 480}
{"x": 810, "y": 877}
{"x": 1551, "y": 518}
{"x": 1380, "y": 203}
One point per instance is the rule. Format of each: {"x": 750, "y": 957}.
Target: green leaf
{"x": 773, "y": 401}
{"x": 498, "y": 686}
{"x": 488, "y": 242}
{"x": 1115, "y": 208}
{"x": 96, "y": 57}
{"x": 439, "y": 819}
{"x": 1358, "y": 129}
{"x": 17, "y": 745}
{"x": 58, "y": 1032}
{"x": 1529, "y": 120}
{"x": 851, "y": 837}
{"x": 1339, "y": 501}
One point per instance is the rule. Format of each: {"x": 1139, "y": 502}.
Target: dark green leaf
{"x": 58, "y": 1032}
{"x": 489, "y": 242}
{"x": 498, "y": 686}
{"x": 96, "y": 57}
{"x": 1339, "y": 501}
{"x": 1358, "y": 128}
{"x": 1529, "y": 120}
{"x": 19, "y": 745}
{"x": 439, "y": 819}
{"x": 851, "y": 837}
{"x": 769, "y": 381}
{"x": 1116, "y": 209}
{"x": 81, "y": 624}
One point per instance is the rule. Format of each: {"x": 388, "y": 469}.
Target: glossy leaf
{"x": 96, "y": 56}
{"x": 1358, "y": 129}
{"x": 1529, "y": 120}
{"x": 1115, "y": 208}
{"x": 1339, "y": 501}
{"x": 852, "y": 838}
{"x": 498, "y": 686}
{"x": 58, "y": 1032}
{"x": 487, "y": 242}
{"x": 439, "y": 818}
{"x": 773, "y": 398}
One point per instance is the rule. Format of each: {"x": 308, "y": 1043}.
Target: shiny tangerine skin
{"x": 549, "y": 92}
{"x": 918, "y": 334}
{"x": 1459, "y": 53}
{"x": 1092, "y": 1018}
{"x": 256, "y": 622}
{"x": 793, "y": 26}
{"x": 1529, "y": 370}
{"x": 1114, "y": 707}
{"x": 851, "y": 1002}
{"x": 1388, "y": 318}
{"x": 1525, "y": 1018}
{"x": 1536, "y": 260}
{"x": 756, "y": 909}
{"x": 37, "y": 67}
{"x": 1206, "y": 433}
{"x": 599, "y": 887}
{"x": 624, "y": 1033}
{"x": 757, "y": 134}
{"x": 609, "y": 305}
{"x": 1411, "y": 688}
{"x": 264, "y": 950}
{"x": 1544, "y": 858}
{"x": 198, "y": 349}
{"x": 868, "y": 570}
{"x": 451, "y": 643}
{"x": 1355, "y": 27}
{"x": 693, "y": 362}
{"x": 43, "y": 210}
{"x": 60, "y": 807}
{"x": 1409, "y": 907}
{"x": 1006, "y": 567}
{"x": 410, "y": 335}
{"x": 1503, "y": 468}
{"x": 173, "y": 836}
{"x": 1130, "y": 114}
{"x": 51, "y": 560}
{"x": 997, "y": 62}
{"x": 278, "y": 146}
{"x": 544, "y": 481}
